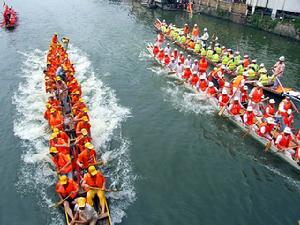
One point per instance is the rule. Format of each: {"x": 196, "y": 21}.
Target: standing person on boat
{"x": 160, "y": 39}
{"x": 84, "y": 213}
{"x": 265, "y": 128}
{"x": 256, "y": 95}
{"x": 87, "y": 157}
{"x": 168, "y": 49}
{"x": 195, "y": 33}
{"x": 94, "y": 184}
{"x": 188, "y": 61}
{"x": 270, "y": 109}
{"x": 205, "y": 37}
{"x": 283, "y": 142}
{"x": 278, "y": 71}
{"x": 186, "y": 29}
{"x": 67, "y": 190}
{"x": 235, "y": 109}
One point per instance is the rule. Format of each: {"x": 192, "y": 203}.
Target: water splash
{"x": 36, "y": 174}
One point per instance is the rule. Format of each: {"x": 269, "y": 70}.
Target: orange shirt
{"x": 87, "y": 158}
{"x": 60, "y": 161}
{"x": 65, "y": 190}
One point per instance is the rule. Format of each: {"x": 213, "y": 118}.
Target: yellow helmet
{"x": 53, "y": 135}
{"x": 52, "y": 110}
{"x": 89, "y": 145}
{"x": 48, "y": 105}
{"x": 92, "y": 170}
{"x": 58, "y": 78}
{"x": 81, "y": 100}
{"x": 81, "y": 201}
{"x": 53, "y": 150}
{"x": 85, "y": 118}
{"x": 84, "y": 131}
{"x": 77, "y": 92}
{"x": 63, "y": 179}
{"x": 84, "y": 109}
{"x": 55, "y": 130}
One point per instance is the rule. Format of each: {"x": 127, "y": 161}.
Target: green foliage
{"x": 263, "y": 22}
{"x": 297, "y": 25}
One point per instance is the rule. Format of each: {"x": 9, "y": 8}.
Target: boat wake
{"x": 36, "y": 173}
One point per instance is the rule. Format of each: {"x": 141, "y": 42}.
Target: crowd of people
{"x": 70, "y": 144}
{"x": 249, "y": 107}
{"x": 193, "y": 41}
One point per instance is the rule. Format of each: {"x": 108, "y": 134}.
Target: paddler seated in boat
{"x": 209, "y": 53}
{"x": 237, "y": 57}
{"x": 215, "y": 58}
{"x": 202, "y": 84}
{"x": 235, "y": 109}
{"x": 161, "y": 55}
{"x": 191, "y": 45}
{"x": 231, "y": 64}
{"x": 83, "y": 124}
{"x": 220, "y": 81}
{"x": 172, "y": 65}
{"x": 168, "y": 49}
{"x": 265, "y": 128}
{"x": 62, "y": 162}
{"x": 256, "y": 96}
{"x": 205, "y": 37}
{"x": 183, "y": 40}
{"x": 62, "y": 134}
{"x": 84, "y": 213}
{"x": 283, "y": 142}
{"x": 195, "y": 66}
{"x": 55, "y": 119}
{"x": 244, "y": 96}
{"x": 166, "y": 59}
{"x": 94, "y": 184}
{"x": 223, "y": 50}
{"x": 87, "y": 157}
{"x": 67, "y": 190}
{"x": 223, "y": 99}
{"x": 249, "y": 118}
{"x": 218, "y": 49}
{"x": 195, "y": 32}
{"x": 194, "y": 79}
{"x": 228, "y": 87}
{"x": 203, "y": 65}
{"x": 211, "y": 90}
{"x": 179, "y": 69}
{"x": 251, "y": 74}
{"x": 59, "y": 143}
{"x": 278, "y": 71}
{"x": 187, "y": 73}
{"x": 288, "y": 118}
{"x": 160, "y": 39}
{"x": 181, "y": 58}
{"x": 246, "y": 61}
{"x": 155, "y": 50}
{"x": 186, "y": 29}
{"x": 82, "y": 139}
{"x": 73, "y": 84}
{"x": 55, "y": 103}
{"x": 270, "y": 109}
{"x": 240, "y": 68}
{"x": 175, "y": 54}
{"x": 75, "y": 96}
{"x": 188, "y": 61}
{"x": 225, "y": 59}
{"x": 78, "y": 106}
{"x": 283, "y": 107}
{"x": 47, "y": 111}
{"x": 254, "y": 65}
{"x": 198, "y": 46}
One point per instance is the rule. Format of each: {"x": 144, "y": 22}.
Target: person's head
{"x": 210, "y": 84}
{"x": 270, "y": 120}
{"x": 92, "y": 170}
{"x": 205, "y": 29}
{"x": 194, "y": 74}
{"x": 224, "y": 92}
{"x": 259, "y": 84}
{"x": 272, "y": 101}
{"x": 236, "y": 99}
{"x": 287, "y": 131}
{"x": 85, "y": 119}
{"x": 89, "y": 145}
{"x": 189, "y": 56}
{"x": 63, "y": 180}
{"x": 84, "y": 132}
{"x": 81, "y": 201}
{"x": 195, "y": 61}
{"x": 262, "y": 65}
{"x": 281, "y": 59}
{"x": 249, "y": 109}
{"x": 53, "y": 151}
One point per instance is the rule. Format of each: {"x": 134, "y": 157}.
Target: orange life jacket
{"x": 203, "y": 85}
{"x": 94, "y": 181}
{"x": 235, "y": 109}
{"x": 194, "y": 80}
{"x": 87, "y": 158}
{"x": 195, "y": 31}
{"x": 65, "y": 190}
{"x": 257, "y": 95}
{"x": 187, "y": 74}
{"x": 250, "y": 118}
{"x": 203, "y": 65}
{"x": 186, "y": 30}
{"x": 60, "y": 161}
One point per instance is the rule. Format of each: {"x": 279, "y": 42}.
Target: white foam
{"x": 106, "y": 118}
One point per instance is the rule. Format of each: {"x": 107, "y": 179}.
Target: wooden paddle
{"x": 224, "y": 107}
{"x": 269, "y": 144}
{"x": 62, "y": 201}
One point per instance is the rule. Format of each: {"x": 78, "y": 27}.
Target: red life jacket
{"x": 203, "y": 85}
{"x": 211, "y": 91}
{"x": 285, "y": 141}
{"x": 269, "y": 111}
{"x": 257, "y": 95}
{"x": 161, "y": 55}
{"x": 175, "y": 54}
{"x": 224, "y": 100}
{"x": 244, "y": 96}
{"x": 287, "y": 105}
{"x": 155, "y": 50}
{"x": 288, "y": 120}
{"x": 235, "y": 109}
{"x": 250, "y": 118}
{"x": 246, "y": 63}
{"x": 221, "y": 83}
{"x": 167, "y": 60}
{"x": 203, "y": 65}
{"x": 187, "y": 74}
{"x": 268, "y": 127}
{"x": 194, "y": 80}
{"x": 181, "y": 59}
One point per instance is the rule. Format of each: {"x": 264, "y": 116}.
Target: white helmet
{"x": 270, "y": 120}
{"x": 210, "y": 84}
{"x": 195, "y": 25}
{"x": 282, "y": 58}
{"x": 223, "y": 67}
{"x": 287, "y": 130}
{"x": 227, "y": 84}
{"x": 245, "y": 88}
{"x": 259, "y": 84}
{"x": 272, "y": 101}
{"x": 249, "y": 108}
{"x": 236, "y": 98}
{"x": 205, "y": 29}
{"x": 289, "y": 111}
{"x": 224, "y": 92}
{"x": 262, "y": 65}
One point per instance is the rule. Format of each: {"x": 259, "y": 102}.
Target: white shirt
{"x": 179, "y": 69}
{"x": 205, "y": 36}
{"x": 168, "y": 50}
{"x": 195, "y": 67}
{"x": 188, "y": 62}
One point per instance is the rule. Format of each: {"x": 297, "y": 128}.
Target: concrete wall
{"x": 285, "y": 5}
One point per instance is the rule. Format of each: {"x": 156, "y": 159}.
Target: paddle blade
{"x": 268, "y": 146}
{"x": 222, "y": 111}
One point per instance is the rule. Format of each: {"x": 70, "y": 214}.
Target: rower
{"x": 67, "y": 190}
{"x": 246, "y": 61}
{"x": 82, "y": 139}
{"x": 172, "y": 65}
{"x": 194, "y": 79}
{"x": 256, "y": 96}
{"x": 211, "y": 90}
{"x": 225, "y": 58}
{"x": 223, "y": 99}
{"x": 188, "y": 61}
{"x": 209, "y": 53}
{"x": 198, "y": 46}
{"x": 87, "y": 157}
{"x": 94, "y": 184}
{"x": 278, "y": 71}
{"x": 84, "y": 213}
{"x": 270, "y": 109}
{"x": 202, "y": 84}
{"x": 186, "y": 29}
{"x": 181, "y": 57}
{"x": 240, "y": 68}
{"x": 265, "y": 128}
{"x": 231, "y": 63}
{"x": 244, "y": 96}
{"x": 161, "y": 55}
{"x": 237, "y": 57}
{"x": 47, "y": 111}
{"x": 249, "y": 117}
{"x": 167, "y": 59}
{"x": 55, "y": 119}
{"x": 205, "y": 37}
{"x": 175, "y": 54}
{"x": 62, "y": 162}
{"x": 168, "y": 49}
{"x": 84, "y": 124}
{"x": 288, "y": 119}
{"x": 59, "y": 143}
{"x": 155, "y": 50}
{"x": 283, "y": 142}
{"x": 195, "y": 32}
{"x": 203, "y": 65}
{"x": 195, "y": 66}
{"x": 179, "y": 69}
{"x": 254, "y": 65}
{"x": 187, "y": 73}
{"x": 160, "y": 39}
{"x": 62, "y": 134}
{"x": 235, "y": 109}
